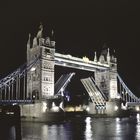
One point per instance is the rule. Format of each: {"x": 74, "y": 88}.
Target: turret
{"x": 95, "y": 57}
{"x": 28, "y": 47}
{"x": 113, "y": 61}
{"x": 35, "y": 42}
{"x": 52, "y": 39}
{"x": 108, "y": 56}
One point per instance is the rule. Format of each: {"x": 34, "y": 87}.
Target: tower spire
{"x": 108, "y": 56}
{"x": 95, "y": 57}
{"x": 52, "y": 35}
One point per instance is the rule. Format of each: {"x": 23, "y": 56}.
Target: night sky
{"x": 80, "y": 30}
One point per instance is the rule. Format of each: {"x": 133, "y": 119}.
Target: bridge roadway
{"x": 78, "y": 63}
{"x": 6, "y": 102}
{"x": 26, "y": 101}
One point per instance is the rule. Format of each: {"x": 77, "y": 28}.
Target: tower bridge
{"x": 32, "y": 85}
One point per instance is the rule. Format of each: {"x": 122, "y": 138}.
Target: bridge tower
{"x": 40, "y": 79}
{"x": 47, "y": 67}
{"x": 107, "y": 82}
{"x": 113, "y": 86}
{"x": 107, "y": 79}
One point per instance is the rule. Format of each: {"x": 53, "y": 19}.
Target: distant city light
{"x": 68, "y": 98}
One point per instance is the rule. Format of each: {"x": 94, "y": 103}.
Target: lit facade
{"x": 40, "y": 81}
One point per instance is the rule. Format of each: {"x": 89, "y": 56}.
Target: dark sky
{"x": 80, "y": 29}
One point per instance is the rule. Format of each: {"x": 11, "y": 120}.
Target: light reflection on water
{"x": 88, "y": 131}
{"x": 85, "y": 129}
{"x": 138, "y": 127}
{"x": 80, "y": 129}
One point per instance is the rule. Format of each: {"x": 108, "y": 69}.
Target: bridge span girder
{"x": 78, "y": 63}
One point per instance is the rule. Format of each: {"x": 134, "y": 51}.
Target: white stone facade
{"x": 40, "y": 78}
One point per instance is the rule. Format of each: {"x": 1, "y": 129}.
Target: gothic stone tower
{"x": 107, "y": 79}
{"x": 40, "y": 81}
{"x": 113, "y": 86}
{"x": 40, "y": 78}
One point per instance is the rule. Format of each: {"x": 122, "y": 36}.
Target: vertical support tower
{"x": 107, "y": 79}
{"x": 113, "y": 86}
{"x": 47, "y": 67}
{"x": 40, "y": 78}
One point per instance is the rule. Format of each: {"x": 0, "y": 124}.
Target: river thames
{"x": 78, "y": 128}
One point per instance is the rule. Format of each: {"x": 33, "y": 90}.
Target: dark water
{"x": 78, "y": 129}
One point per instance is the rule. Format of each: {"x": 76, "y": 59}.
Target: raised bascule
{"x": 33, "y": 88}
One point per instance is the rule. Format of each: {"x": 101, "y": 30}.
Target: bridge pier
{"x": 43, "y": 111}
{"x": 95, "y": 110}
{"x": 111, "y": 109}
